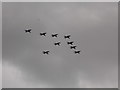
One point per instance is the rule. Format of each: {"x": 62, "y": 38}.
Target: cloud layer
{"x": 93, "y": 27}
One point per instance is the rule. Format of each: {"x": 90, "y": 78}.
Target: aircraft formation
{"x": 70, "y": 43}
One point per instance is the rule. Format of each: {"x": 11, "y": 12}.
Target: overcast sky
{"x": 93, "y": 28}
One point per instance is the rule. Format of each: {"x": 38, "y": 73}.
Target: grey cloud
{"x": 93, "y": 27}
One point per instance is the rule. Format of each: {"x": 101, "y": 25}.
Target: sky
{"x": 93, "y": 28}
{"x": 60, "y": 0}
{"x": 1, "y": 46}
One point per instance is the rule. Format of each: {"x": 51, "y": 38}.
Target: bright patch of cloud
{"x": 110, "y": 81}
{"x": 0, "y": 75}
{"x": 13, "y": 78}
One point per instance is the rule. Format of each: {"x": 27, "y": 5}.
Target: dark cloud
{"x": 93, "y": 27}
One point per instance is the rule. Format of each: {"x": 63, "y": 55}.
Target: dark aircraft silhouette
{"x": 73, "y": 47}
{"x": 57, "y": 43}
{"x": 67, "y": 36}
{"x": 54, "y": 35}
{"x": 46, "y": 52}
{"x": 28, "y": 30}
{"x": 70, "y": 43}
{"x": 77, "y": 52}
{"x": 43, "y": 34}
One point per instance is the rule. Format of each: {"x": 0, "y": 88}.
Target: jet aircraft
{"x": 46, "y": 52}
{"x": 67, "y": 36}
{"x": 43, "y": 34}
{"x": 57, "y": 43}
{"x": 73, "y": 47}
{"x": 70, "y": 42}
{"x": 54, "y": 35}
{"x": 77, "y": 52}
{"x": 28, "y": 30}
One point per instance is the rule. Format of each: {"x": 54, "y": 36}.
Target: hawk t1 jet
{"x": 57, "y": 43}
{"x": 46, "y": 52}
{"x": 70, "y": 43}
{"x": 67, "y": 36}
{"x": 28, "y": 30}
{"x": 43, "y": 34}
{"x": 73, "y": 47}
{"x": 77, "y": 52}
{"x": 54, "y": 35}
